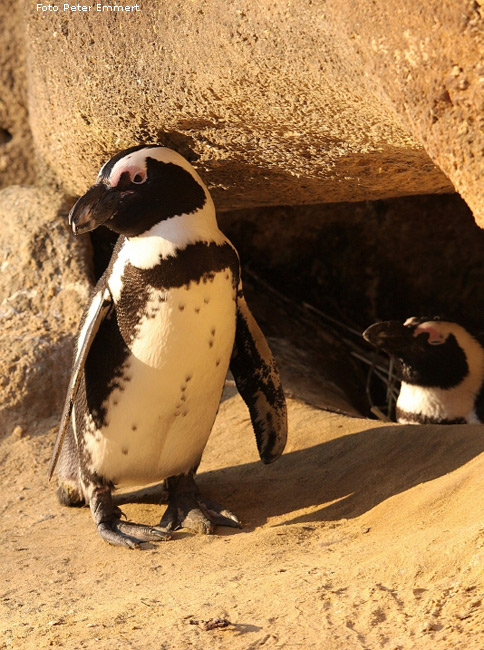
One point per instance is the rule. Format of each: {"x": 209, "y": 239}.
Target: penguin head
{"x": 430, "y": 353}
{"x": 137, "y": 189}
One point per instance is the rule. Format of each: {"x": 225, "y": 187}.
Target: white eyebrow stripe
{"x": 118, "y": 171}
{"x": 130, "y": 163}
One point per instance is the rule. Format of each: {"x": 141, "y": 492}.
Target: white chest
{"x": 159, "y": 418}
{"x": 189, "y": 325}
{"x": 436, "y": 403}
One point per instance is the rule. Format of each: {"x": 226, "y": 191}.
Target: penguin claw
{"x": 187, "y": 508}
{"x": 142, "y": 532}
{"x": 127, "y": 533}
{"x": 111, "y": 535}
{"x": 107, "y": 518}
{"x": 191, "y": 518}
{"x": 219, "y": 515}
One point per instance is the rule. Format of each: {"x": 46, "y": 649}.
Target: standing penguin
{"x": 441, "y": 366}
{"x": 165, "y": 322}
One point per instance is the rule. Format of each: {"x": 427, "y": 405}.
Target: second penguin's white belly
{"x": 160, "y": 418}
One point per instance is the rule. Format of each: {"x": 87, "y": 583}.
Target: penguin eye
{"x": 139, "y": 178}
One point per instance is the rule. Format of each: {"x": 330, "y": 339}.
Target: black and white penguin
{"x": 165, "y": 322}
{"x": 441, "y": 366}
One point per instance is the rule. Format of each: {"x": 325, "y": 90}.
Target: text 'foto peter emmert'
{"x": 87, "y": 8}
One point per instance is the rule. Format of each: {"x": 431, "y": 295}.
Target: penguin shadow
{"x": 345, "y": 477}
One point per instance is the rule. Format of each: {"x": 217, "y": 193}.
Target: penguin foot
{"x": 107, "y": 518}
{"x": 187, "y": 508}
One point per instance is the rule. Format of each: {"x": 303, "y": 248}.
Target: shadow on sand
{"x": 347, "y": 476}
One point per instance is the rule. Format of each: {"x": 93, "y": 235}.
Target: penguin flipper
{"x": 257, "y": 378}
{"x": 100, "y": 305}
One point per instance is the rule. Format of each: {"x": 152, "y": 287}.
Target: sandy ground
{"x": 362, "y": 535}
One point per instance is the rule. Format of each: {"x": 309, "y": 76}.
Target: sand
{"x": 362, "y": 535}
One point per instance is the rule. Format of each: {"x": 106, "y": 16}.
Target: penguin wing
{"x": 257, "y": 377}
{"x": 100, "y": 305}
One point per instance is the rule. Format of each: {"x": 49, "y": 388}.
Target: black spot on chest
{"x": 196, "y": 263}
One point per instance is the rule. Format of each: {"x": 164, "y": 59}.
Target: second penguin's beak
{"x": 94, "y": 208}
{"x": 391, "y": 336}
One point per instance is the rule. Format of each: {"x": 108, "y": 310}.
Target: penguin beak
{"x": 98, "y": 204}
{"x": 391, "y": 336}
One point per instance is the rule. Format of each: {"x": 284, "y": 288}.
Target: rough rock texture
{"x": 268, "y": 94}
{"x": 17, "y": 161}
{"x": 428, "y": 58}
{"x": 44, "y": 286}
{"x": 369, "y": 261}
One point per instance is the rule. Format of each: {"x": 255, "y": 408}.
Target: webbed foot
{"x": 187, "y": 508}
{"x": 107, "y": 518}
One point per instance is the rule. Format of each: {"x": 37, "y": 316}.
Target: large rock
{"x": 428, "y": 58}
{"x": 44, "y": 286}
{"x": 17, "y": 161}
{"x": 271, "y": 97}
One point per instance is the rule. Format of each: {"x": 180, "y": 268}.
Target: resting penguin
{"x": 441, "y": 366}
{"x": 165, "y": 322}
